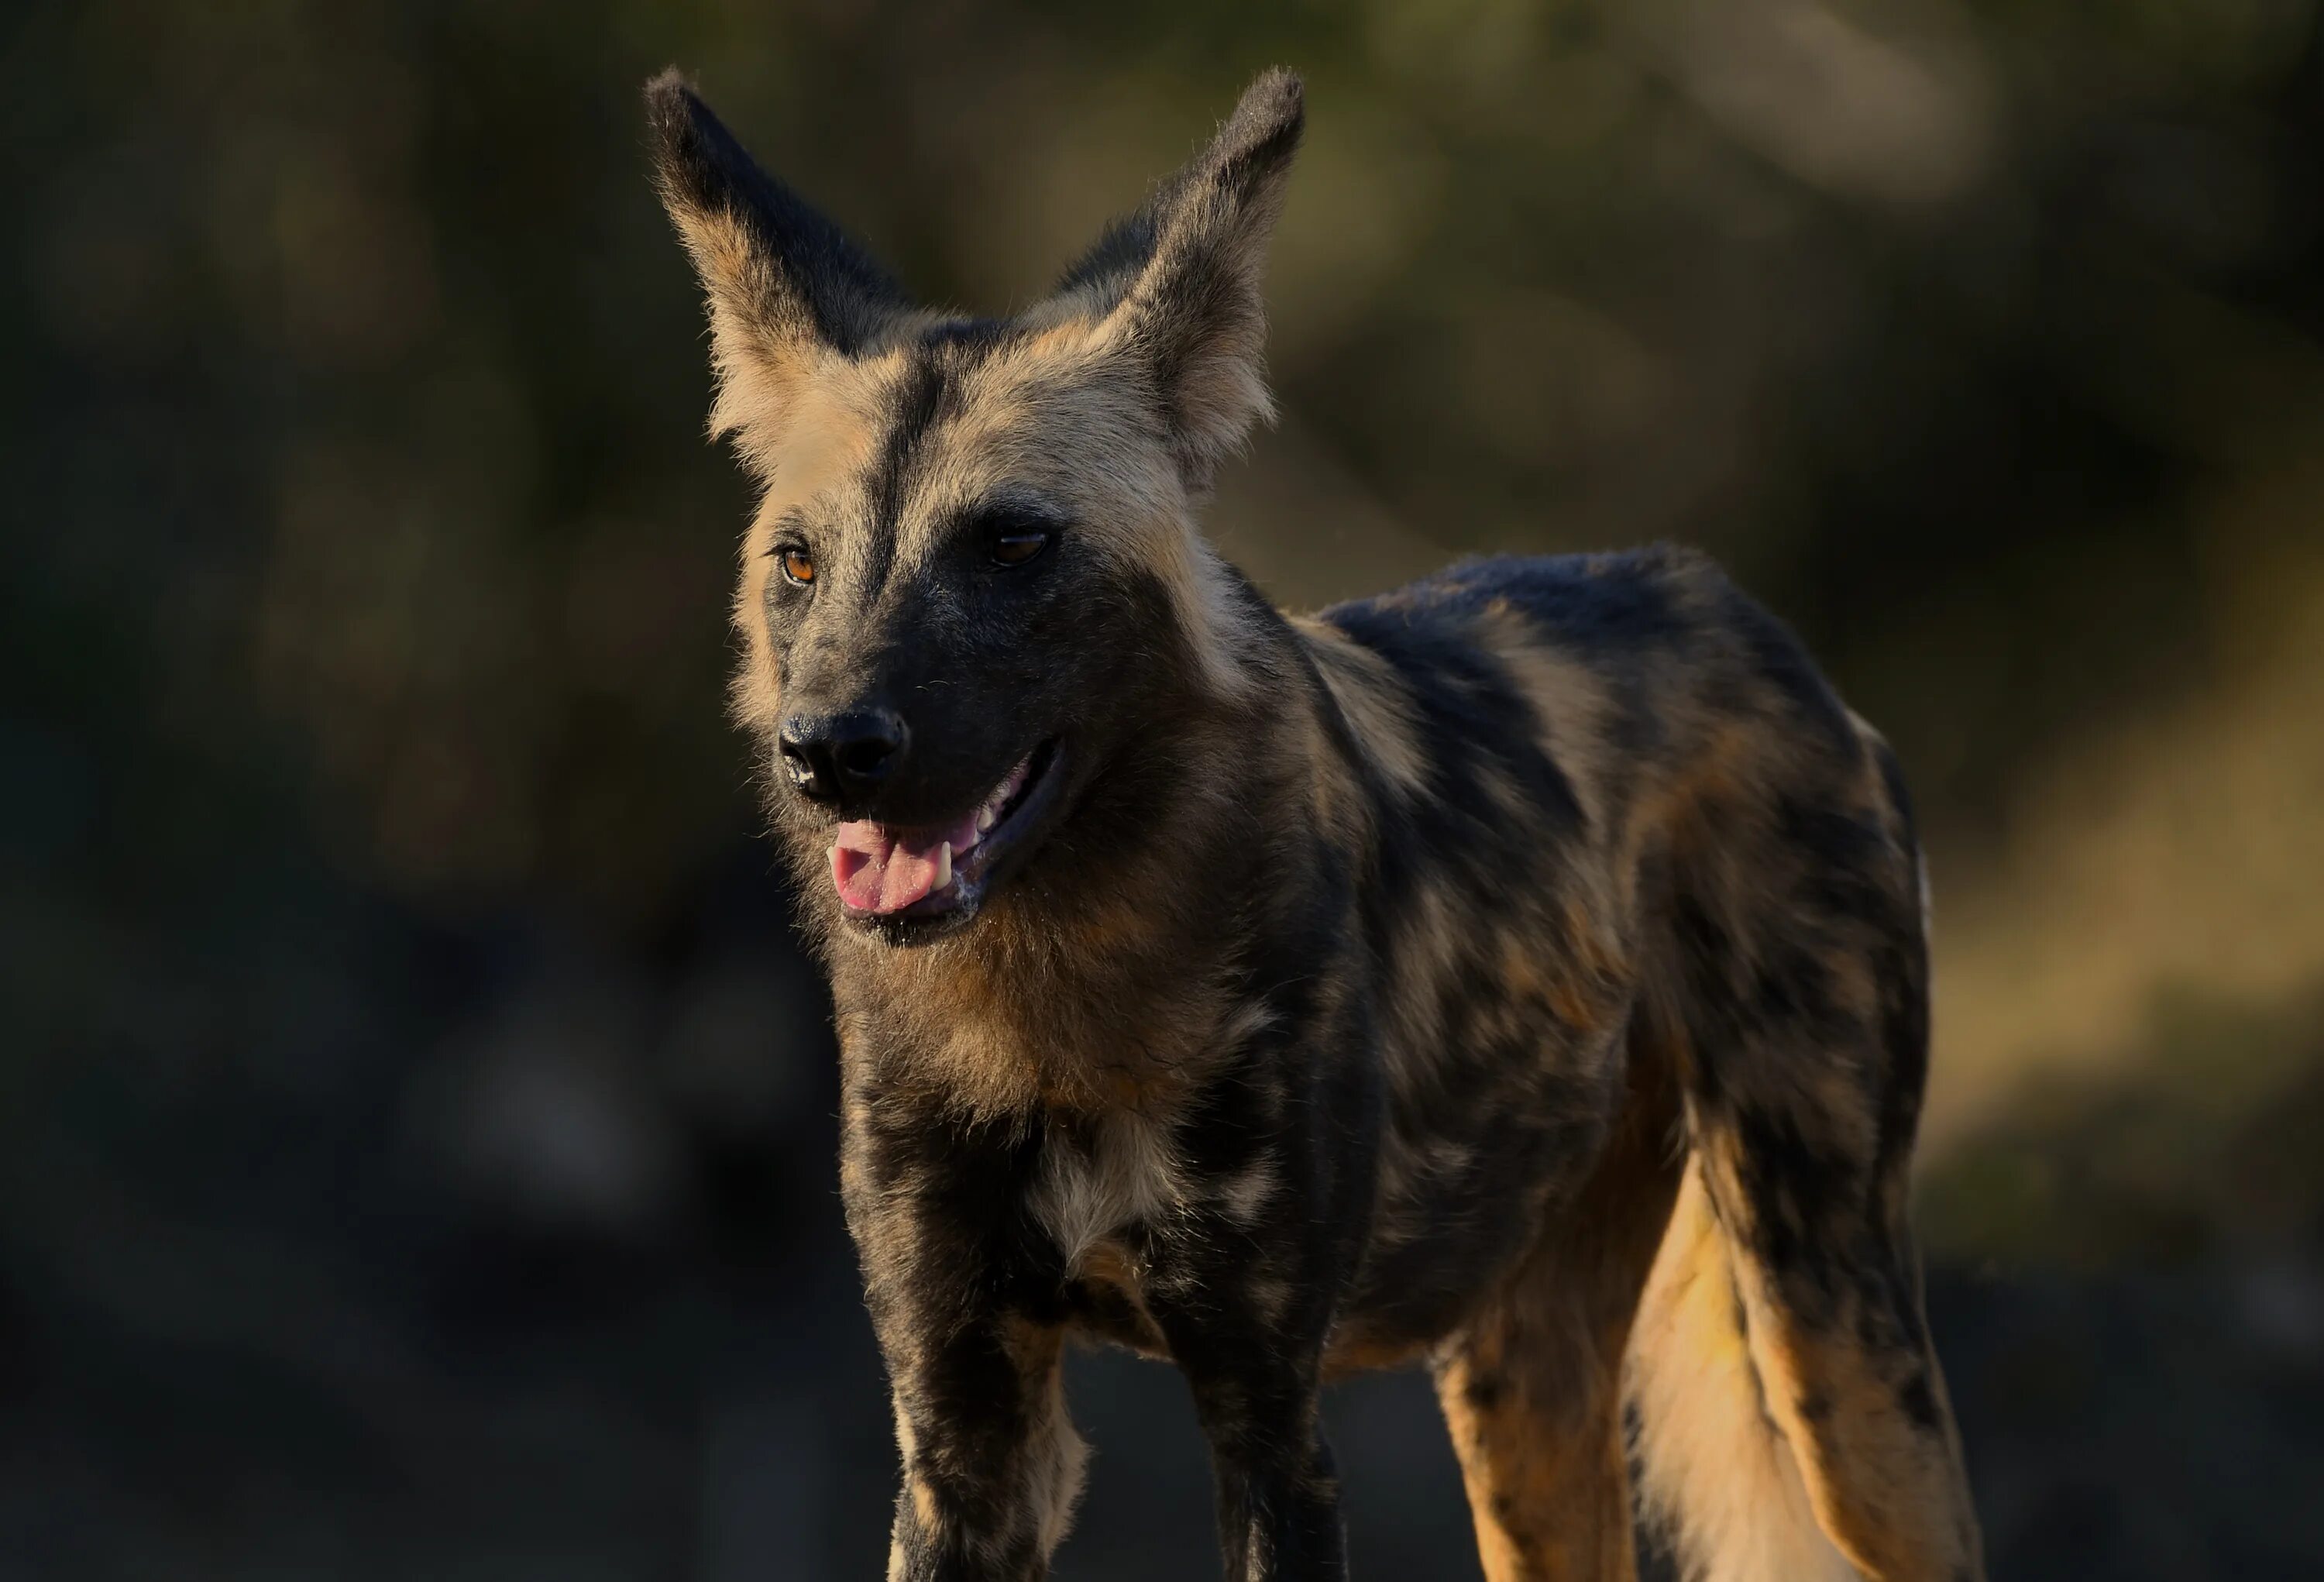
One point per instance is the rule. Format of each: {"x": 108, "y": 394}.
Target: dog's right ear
{"x": 785, "y": 286}
{"x": 1178, "y": 283}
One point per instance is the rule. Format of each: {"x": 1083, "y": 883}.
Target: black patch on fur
{"x": 1899, "y": 793}
{"x": 1477, "y": 721}
{"x": 1919, "y": 1401}
{"x": 1904, "y": 1043}
{"x": 1484, "y": 1391}
{"x": 1596, "y": 606}
{"x": 980, "y": 335}
{"x": 1776, "y": 657}
{"x": 1804, "y": 1191}
{"x": 917, "y": 405}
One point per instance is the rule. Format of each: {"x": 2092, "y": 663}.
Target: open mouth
{"x": 912, "y": 883}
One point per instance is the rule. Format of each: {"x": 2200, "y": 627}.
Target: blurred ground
{"x": 415, "y": 1121}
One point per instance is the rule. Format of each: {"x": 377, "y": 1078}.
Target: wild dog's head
{"x": 974, "y": 586}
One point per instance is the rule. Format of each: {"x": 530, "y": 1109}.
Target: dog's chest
{"x": 1104, "y": 1181}
{"x": 1102, "y": 1195}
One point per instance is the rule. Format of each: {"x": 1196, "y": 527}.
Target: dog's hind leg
{"x": 1532, "y": 1385}
{"x": 1796, "y": 1281}
{"x": 1850, "y": 1373}
{"x": 1806, "y": 988}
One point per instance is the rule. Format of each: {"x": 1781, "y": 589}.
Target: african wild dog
{"x": 1522, "y": 971}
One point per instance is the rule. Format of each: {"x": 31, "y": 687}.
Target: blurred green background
{"x": 416, "y": 1138}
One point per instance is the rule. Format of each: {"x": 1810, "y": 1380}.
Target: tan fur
{"x": 831, "y": 427}
{"x": 1717, "y": 1484}
{"x": 1380, "y": 712}
{"x": 1532, "y": 1387}
{"x": 1128, "y": 1176}
{"x": 1574, "y": 708}
{"x": 1060, "y": 1458}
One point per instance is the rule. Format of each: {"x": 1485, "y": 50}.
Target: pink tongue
{"x": 882, "y": 870}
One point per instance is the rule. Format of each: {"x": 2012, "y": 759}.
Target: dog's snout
{"x": 834, "y": 757}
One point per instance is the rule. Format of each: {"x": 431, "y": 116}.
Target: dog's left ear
{"x": 1178, "y": 283}
{"x": 785, "y": 287}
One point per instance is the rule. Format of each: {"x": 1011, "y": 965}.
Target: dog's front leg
{"x": 1245, "y": 1318}
{"x": 990, "y": 1465}
{"x": 1246, "y": 1281}
{"x": 1278, "y": 1497}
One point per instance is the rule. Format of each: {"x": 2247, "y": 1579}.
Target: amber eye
{"x": 799, "y": 566}
{"x": 1017, "y": 546}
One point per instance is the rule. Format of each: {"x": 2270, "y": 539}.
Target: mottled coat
{"x": 1521, "y": 973}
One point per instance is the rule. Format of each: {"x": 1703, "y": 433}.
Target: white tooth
{"x": 944, "y": 865}
{"x": 984, "y": 819}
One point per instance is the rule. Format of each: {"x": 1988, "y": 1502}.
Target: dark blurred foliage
{"x": 415, "y": 1118}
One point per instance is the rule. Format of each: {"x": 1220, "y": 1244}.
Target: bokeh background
{"x": 416, "y": 1121}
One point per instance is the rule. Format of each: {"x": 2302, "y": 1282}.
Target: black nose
{"x": 834, "y": 756}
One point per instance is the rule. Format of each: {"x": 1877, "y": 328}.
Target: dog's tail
{"x": 1719, "y": 1486}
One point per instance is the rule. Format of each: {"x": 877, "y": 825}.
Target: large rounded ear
{"x": 785, "y": 287}
{"x": 1179, "y": 281}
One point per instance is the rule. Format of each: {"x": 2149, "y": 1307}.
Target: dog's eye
{"x": 1013, "y": 545}
{"x": 799, "y": 566}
